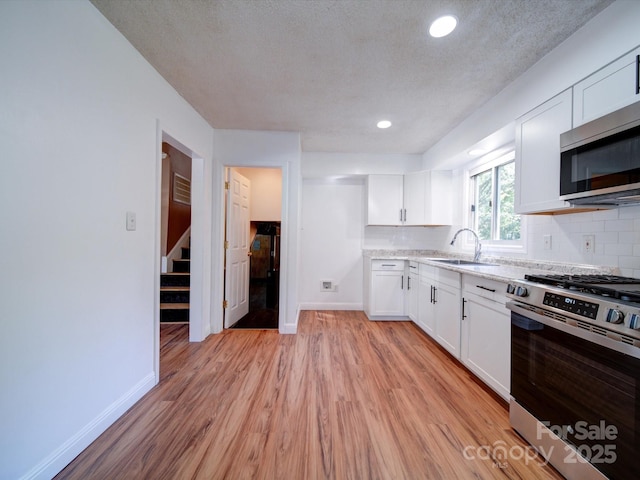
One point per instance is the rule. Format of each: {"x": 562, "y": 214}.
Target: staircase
{"x": 174, "y": 290}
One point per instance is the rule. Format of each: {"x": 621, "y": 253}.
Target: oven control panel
{"x": 568, "y": 304}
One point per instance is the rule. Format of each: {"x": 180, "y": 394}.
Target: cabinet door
{"x": 447, "y": 313}
{"x": 538, "y": 156}
{"x": 438, "y": 208}
{"x": 426, "y": 311}
{"x": 486, "y": 342}
{"x": 413, "y": 286}
{"x": 384, "y": 199}
{"x": 613, "y": 87}
{"x": 387, "y": 293}
{"x": 414, "y": 198}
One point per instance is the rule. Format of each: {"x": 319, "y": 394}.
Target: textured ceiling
{"x": 330, "y": 69}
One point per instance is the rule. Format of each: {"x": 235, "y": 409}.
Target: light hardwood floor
{"x": 344, "y": 398}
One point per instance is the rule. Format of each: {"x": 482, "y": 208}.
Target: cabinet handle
{"x": 463, "y": 314}
{"x": 401, "y": 215}
{"x": 486, "y": 288}
{"x": 402, "y": 283}
{"x": 435, "y": 297}
{"x": 388, "y": 264}
{"x": 431, "y": 301}
{"x": 637, "y": 74}
{"x": 408, "y": 283}
{"x": 405, "y": 215}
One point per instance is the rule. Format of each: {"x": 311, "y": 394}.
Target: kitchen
{"x": 323, "y": 247}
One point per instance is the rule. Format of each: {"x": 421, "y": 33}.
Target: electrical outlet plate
{"x": 327, "y": 286}
{"x": 588, "y": 243}
{"x": 547, "y": 242}
{"x": 131, "y": 221}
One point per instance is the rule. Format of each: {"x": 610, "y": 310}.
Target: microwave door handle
{"x": 637, "y": 74}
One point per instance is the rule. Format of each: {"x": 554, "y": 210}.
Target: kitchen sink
{"x": 455, "y": 261}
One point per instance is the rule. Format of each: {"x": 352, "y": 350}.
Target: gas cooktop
{"x": 611, "y": 286}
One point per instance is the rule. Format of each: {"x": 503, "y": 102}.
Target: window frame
{"x": 493, "y": 163}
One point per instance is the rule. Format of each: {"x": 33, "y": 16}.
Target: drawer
{"x": 392, "y": 265}
{"x": 484, "y": 287}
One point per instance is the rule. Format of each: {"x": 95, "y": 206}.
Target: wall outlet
{"x": 328, "y": 286}
{"x": 131, "y": 221}
{"x": 547, "y": 242}
{"x": 588, "y": 243}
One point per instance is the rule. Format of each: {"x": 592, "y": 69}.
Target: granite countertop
{"x": 496, "y": 268}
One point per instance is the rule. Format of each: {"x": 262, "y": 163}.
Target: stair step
{"x": 175, "y": 279}
{"x": 169, "y": 315}
{"x": 182, "y": 265}
{"x": 174, "y": 295}
{"x": 175, "y": 288}
{"x": 174, "y": 306}
{"x": 186, "y": 253}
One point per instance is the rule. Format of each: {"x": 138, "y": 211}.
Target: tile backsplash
{"x": 615, "y": 233}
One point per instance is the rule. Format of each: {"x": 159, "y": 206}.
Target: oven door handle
{"x": 570, "y": 326}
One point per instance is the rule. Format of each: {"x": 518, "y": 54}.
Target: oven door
{"x": 581, "y": 386}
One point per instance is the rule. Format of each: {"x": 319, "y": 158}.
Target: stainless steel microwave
{"x": 600, "y": 160}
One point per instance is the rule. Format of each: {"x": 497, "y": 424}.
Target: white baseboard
{"x": 289, "y": 329}
{"x": 50, "y": 466}
{"x": 331, "y": 306}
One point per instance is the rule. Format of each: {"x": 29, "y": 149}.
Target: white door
{"x": 236, "y": 283}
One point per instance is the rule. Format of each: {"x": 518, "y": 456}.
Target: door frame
{"x": 217, "y": 323}
{"x": 200, "y": 278}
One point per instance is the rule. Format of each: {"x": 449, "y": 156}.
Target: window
{"x": 492, "y": 213}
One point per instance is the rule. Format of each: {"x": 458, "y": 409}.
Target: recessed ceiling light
{"x": 443, "y": 26}
{"x": 384, "y": 124}
{"x": 476, "y": 152}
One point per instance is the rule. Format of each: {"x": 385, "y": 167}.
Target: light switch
{"x": 131, "y": 221}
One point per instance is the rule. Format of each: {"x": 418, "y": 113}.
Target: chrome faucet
{"x": 478, "y": 245}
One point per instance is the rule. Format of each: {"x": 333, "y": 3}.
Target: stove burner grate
{"x": 611, "y": 286}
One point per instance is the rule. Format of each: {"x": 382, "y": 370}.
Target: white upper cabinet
{"x": 422, "y": 198}
{"x": 610, "y": 88}
{"x": 415, "y": 187}
{"x": 385, "y": 200}
{"x": 538, "y": 132}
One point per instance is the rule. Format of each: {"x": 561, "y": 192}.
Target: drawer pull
{"x": 493, "y": 290}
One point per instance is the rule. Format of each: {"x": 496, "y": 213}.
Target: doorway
{"x": 198, "y": 325}
{"x": 256, "y": 268}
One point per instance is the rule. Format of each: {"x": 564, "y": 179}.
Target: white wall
{"x": 80, "y": 148}
{"x": 325, "y": 165}
{"x": 242, "y": 148}
{"x": 266, "y": 193}
{"x": 331, "y": 243}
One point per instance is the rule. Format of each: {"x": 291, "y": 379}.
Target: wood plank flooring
{"x": 344, "y": 398}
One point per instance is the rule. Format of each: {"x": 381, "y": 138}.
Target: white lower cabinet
{"x": 413, "y": 287}
{"x": 486, "y": 332}
{"x": 447, "y": 301}
{"x": 385, "y": 289}
{"x": 426, "y": 307}
{"x": 439, "y": 306}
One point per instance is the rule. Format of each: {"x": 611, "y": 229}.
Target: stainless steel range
{"x": 575, "y": 372}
